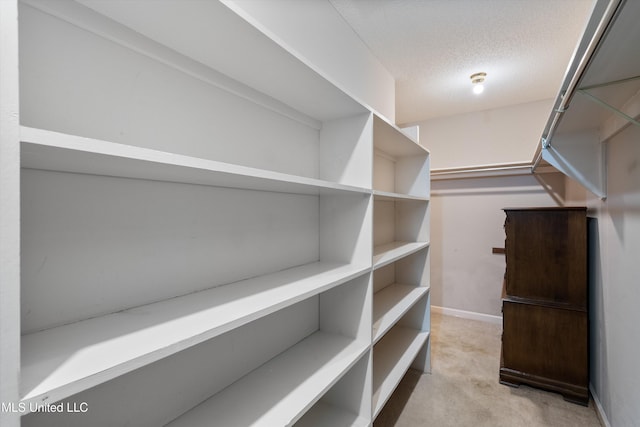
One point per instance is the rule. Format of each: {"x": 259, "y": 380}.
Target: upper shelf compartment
{"x": 392, "y": 141}
{"x": 55, "y": 151}
{"x": 599, "y": 97}
{"x": 400, "y": 164}
{"x": 156, "y": 75}
{"x": 245, "y": 53}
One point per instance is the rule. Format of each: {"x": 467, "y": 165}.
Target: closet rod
{"x": 567, "y": 93}
{"x": 519, "y": 168}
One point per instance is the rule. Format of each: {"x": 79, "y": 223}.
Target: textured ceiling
{"x": 431, "y": 47}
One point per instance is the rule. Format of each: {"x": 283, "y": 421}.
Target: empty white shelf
{"x": 389, "y": 196}
{"x": 392, "y": 357}
{"x": 324, "y": 415}
{"x": 279, "y": 392}
{"x": 390, "y": 252}
{"x": 392, "y": 141}
{"x": 391, "y": 303}
{"x": 59, "y": 362}
{"x": 47, "y": 150}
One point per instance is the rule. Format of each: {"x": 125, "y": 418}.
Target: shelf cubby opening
{"x": 400, "y": 221}
{"x": 342, "y": 315}
{"x": 397, "y": 288}
{"x": 400, "y": 165}
{"x": 401, "y": 227}
{"x": 347, "y": 403}
{"x": 257, "y": 366}
{"x": 54, "y": 151}
{"x": 156, "y": 94}
{"x": 405, "y": 345}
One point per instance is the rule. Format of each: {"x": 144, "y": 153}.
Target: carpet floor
{"x": 463, "y": 388}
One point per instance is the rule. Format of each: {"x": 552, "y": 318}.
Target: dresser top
{"x": 548, "y": 208}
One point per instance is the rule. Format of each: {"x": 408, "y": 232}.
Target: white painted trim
{"x": 599, "y": 409}
{"x": 489, "y": 318}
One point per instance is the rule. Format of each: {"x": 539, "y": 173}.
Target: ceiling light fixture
{"x": 477, "y": 79}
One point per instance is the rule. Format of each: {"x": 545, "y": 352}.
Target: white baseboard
{"x": 489, "y": 318}
{"x": 599, "y": 409}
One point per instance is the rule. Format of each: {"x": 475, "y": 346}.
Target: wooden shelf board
{"x": 48, "y": 150}
{"x": 390, "y": 252}
{"x": 391, "y": 303}
{"x": 62, "y": 361}
{"x": 279, "y": 392}
{"x": 392, "y": 357}
{"x": 389, "y": 196}
{"x": 325, "y": 415}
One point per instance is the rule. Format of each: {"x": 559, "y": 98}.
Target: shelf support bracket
{"x": 609, "y": 107}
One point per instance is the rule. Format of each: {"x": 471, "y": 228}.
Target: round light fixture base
{"x": 477, "y": 80}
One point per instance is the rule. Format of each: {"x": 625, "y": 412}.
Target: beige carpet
{"x": 463, "y": 388}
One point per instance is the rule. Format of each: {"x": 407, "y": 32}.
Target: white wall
{"x": 466, "y": 223}
{"x": 314, "y": 32}
{"x": 502, "y": 135}
{"x": 615, "y": 285}
{"x": 466, "y": 214}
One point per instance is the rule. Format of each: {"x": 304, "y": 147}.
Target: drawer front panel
{"x": 546, "y": 342}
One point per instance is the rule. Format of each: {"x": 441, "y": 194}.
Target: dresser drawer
{"x": 546, "y": 254}
{"x": 546, "y": 342}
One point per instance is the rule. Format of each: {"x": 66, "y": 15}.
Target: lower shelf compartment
{"x": 392, "y": 357}
{"x": 62, "y": 361}
{"x": 279, "y": 392}
{"x": 324, "y": 414}
{"x": 391, "y": 303}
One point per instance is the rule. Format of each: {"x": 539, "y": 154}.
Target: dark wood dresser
{"x": 544, "y": 305}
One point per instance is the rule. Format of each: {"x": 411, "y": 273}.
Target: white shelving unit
{"x": 197, "y": 239}
{"x": 401, "y": 304}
